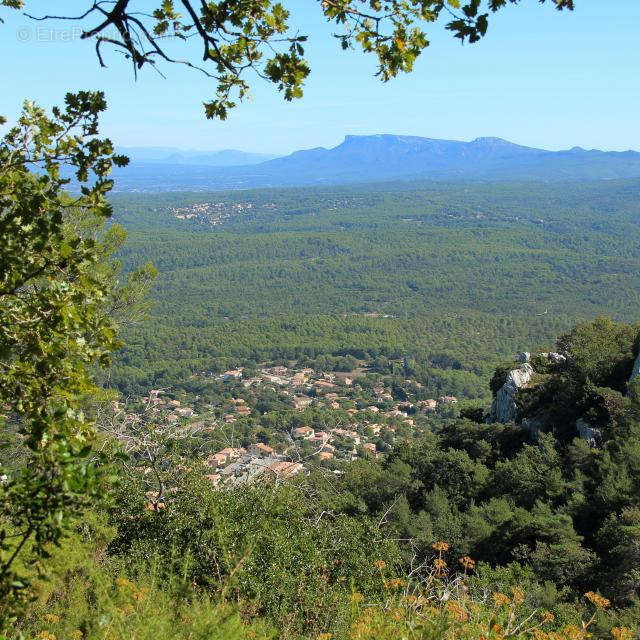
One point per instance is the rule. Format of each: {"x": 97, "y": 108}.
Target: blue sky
{"x": 540, "y": 78}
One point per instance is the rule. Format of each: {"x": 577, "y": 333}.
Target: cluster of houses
{"x": 232, "y": 467}
{"x": 240, "y": 410}
{"x": 305, "y": 386}
{"x": 323, "y": 441}
{"x": 215, "y": 213}
{"x": 235, "y": 465}
{"x": 367, "y": 425}
{"x": 172, "y": 410}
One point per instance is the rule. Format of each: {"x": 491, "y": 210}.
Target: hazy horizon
{"x": 203, "y": 150}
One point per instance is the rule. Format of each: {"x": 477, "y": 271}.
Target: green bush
{"x": 269, "y": 546}
{"x": 601, "y": 351}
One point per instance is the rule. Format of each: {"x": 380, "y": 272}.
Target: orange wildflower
{"x": 500, "y": 600}
{"x": 456, "y": 611}
{"x": 622, "y": 633}
{"x": 467, "y": 562}
{"x": 574, "y": 633}
{"x": 397, "y": 614}
{"x": 140, "y": 595}
{"x": 124, "y": 583}
{"x": 599, "y": 601}
{"x": 518, "y": 595}
{"x": 396, "y": 582}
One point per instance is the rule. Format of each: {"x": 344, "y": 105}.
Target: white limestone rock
{"x": 504, "y": 407}
{"x": 524, "y": 357}
{"x": 588, "y": 433}
{"x": 556, "y": 358}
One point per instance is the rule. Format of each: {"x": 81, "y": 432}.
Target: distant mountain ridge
{"x": 170, "y": 155}
{"x": 385, "y": 157}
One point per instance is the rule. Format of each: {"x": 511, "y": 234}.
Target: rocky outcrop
{"x": 587, "y": 432}
{"x": 555, "y": 358}
{"x": 504, "y": 408}
{"x": 529, "y": 410}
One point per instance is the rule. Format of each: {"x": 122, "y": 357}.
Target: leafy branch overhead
{"x": 238, "y": 36}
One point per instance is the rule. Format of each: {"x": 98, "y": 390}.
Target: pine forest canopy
{"x": 453, "y": 275}
{"x": 241, "y": 36}
{"x": 461, "y": 527}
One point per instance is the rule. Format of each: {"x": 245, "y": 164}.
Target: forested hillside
{"x": 239, "y": 402}
{"x": 455, "y": 277}
{"x": 471, "y": 530}
{"x": 330, "y": 497}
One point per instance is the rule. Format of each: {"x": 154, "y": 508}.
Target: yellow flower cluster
{"x": 49, "y": 618}
{"x": 575, "y": 633}
{"x": 425, "y": 611}
{"x": 595, "y": 598}
{"x": 500, "y": 600}
{"x": 569, "y": 632}
{"x": 467, "y": 562}
{"x": 125, "y": 585}
{"x": 518, "y": 595}
{"x": 396, "y": 583}
{"x": 141, "y": 594}
{"x": 397, "y": 614}
{"x": 439, "y": 564}
{"x": 622, "y": 633}
{"x": 456, "y": 612}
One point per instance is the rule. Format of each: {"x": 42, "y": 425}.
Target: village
{"x": 215, "y": 213}
{"x": 275, "y": 422}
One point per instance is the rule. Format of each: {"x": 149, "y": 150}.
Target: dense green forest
{"x": 465, "y": 273}
{"x": 471, "y": 530}
{"x": 318, "y": 491}
{"x": 462, "y": 524}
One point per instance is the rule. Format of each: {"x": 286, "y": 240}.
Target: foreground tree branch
{"x": 240, "y": 37}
